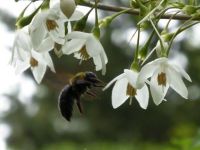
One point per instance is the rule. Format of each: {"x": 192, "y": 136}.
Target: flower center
{"x": 162, "y": 79}
{"x": 131, "y": 91}
{"x": 33, "y": 62}
{"x": 51, "y": 24}
{"x": 83, "y": 53}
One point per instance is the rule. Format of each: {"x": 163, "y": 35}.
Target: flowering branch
{"x": 133, "y": 11}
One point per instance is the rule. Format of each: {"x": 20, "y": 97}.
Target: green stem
{"x": 181, "y": 29}
{"x": 150, "y": 13}
{"x": 160, "y": 38}
{"x": 137, "y": 47}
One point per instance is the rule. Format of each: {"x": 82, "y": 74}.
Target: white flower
{"x": 69, "y": 12}
{"x": 85, "y": 46}
{"x": 125, "y": 87}
{"x": 47, "y": 24}
{"x": 163, "y": 75}
{"x": 25, "y": 57}
{"x": 51, "y": 23}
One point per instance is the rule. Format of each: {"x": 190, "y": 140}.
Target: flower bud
{"x": 161, "y": 51}
{"x": 67, "y": 7}
{"x": 167, "y": 36}
{"x": 134, "y": 4}
{"x": 189, "y": 9}
{"x": 105, "y": 22}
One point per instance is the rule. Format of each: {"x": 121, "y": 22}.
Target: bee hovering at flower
{"x": 81, "y": 83}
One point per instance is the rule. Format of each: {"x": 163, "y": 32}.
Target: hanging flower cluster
{"x": 50, "y": 28}
{"x": 41, "y": 32}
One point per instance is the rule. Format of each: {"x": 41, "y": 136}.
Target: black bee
{"x": 81, "y": 83}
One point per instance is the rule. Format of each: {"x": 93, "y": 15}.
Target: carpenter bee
{"x": 81, "y": 83}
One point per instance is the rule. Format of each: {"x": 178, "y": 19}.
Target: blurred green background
{"x": 173, "y": 125}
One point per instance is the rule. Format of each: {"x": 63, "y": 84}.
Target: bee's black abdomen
{"x": 66, "y": 102}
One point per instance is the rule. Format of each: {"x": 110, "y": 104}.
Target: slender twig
{"x": 134, "y": 11}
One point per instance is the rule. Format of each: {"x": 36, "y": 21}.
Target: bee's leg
{"x": 80, "y": 108}
{"x": 79, "y": 105}
{"x": 91, "y": 93}
{"x": 95, "y": 85}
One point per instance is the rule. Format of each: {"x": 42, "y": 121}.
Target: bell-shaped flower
{"x": 85, "y": 46}
{"x": 67, "y": 15}
{"x": 125, "y": 87}
{"x": 163, "y": 75}
{"x": 24, "y": 57}
{"x": 45, "y": 24}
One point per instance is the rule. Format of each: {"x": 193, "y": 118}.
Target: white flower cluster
{"x": 47, "y": 28}
{"x": 163, "y": 75}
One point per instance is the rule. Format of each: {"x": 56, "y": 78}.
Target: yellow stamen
{"x": 51, "y": 24}
{"x": 162, "y": 79}
{"x": 131, "y": 91}
{"x": 33, "y": 62}
{"x": 83, "y": 53}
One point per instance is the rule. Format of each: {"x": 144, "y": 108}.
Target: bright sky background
{"x": 26, "y": 86}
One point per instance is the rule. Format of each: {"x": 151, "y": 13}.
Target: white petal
{"x": 146, "y": 72}
{"x": 38, "y": 56}
{"x": 38, "y": 30}
{"x": 113, "y": 80}
{"x": 98, "y": 62}
{"x": 158, "y": 92}
{"x": 182, "y": 72}
{"x": 38, "y": 72}
{"x": 37, "y": 36}
{"x": 103, "y": 64}
{"x": 23, "y": 41}
{"x": 77, "y": 15}
{"x": 72, "y": 46}
{"x": 119, "y": 92}
{"x": 77, "y": 35}
{"x": 105, "y": 57}
{"x": 21, "y": 66}
{"x": 176, "y": 82}
{"x": 61, "y": 28}
{"x": 38, "y": 20}
{"x": 142, "y": 96}
{"x": 55, "y": 36}
{"x": 49, "y": 61}
{"x": 93, "y": 46}
{"x": 46, "y": 45}
{"x": 131, "y": 76}
{"x": 69, "y": 27}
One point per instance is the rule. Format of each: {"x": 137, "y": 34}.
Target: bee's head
{"x": 92, "y": 77}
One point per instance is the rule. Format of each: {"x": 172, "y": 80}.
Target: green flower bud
{"x": 24, "y": 21}
{"x": 134, "y": 4}
{"x": 189, "y": 9}
{"x": 67, "y": 7}
{"x": 96, "y": 32}
{"x": 162, "y": 51}
{"x": 143, "y": 52}
{"x": 45, "y": 4}
{"x": 80, "y": 25}
{"x": 105, "y": 22}
{"x": 134, "y": 66}
{"x": 167, "y": 36}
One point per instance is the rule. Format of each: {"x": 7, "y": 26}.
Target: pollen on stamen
{"x": 33, "y": 62}
{"x": 131, "y": 91}
{"x": 162, "y": 79}
{"x": 83, "y": 53}
{"x": 51, "y": 24}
